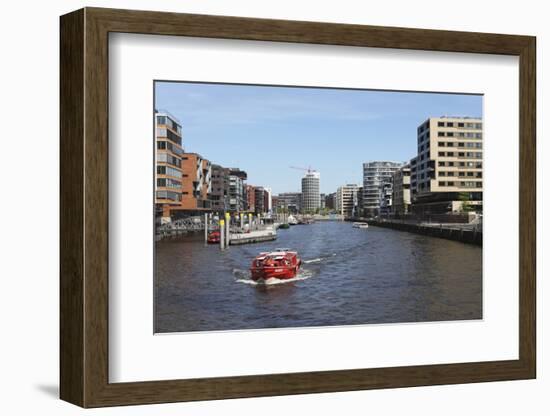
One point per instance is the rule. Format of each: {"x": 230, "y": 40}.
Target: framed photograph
{"x": 254, "y": 207}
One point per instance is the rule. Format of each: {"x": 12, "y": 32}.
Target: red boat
{"x": 279, "y": 264}
{"x": 213, "y": 237}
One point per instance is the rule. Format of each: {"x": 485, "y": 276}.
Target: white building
{"x": 377, "y": 179}
{"x": 346, "y": 199}
{"x": 311, "y": 197}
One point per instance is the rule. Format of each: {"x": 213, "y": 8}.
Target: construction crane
{"x": 308, "y": 169}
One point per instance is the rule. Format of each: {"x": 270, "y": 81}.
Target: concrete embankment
{"x": 443, "y": 231}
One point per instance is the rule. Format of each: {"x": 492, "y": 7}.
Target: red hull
{"x": 281, "y": 265}
{"x": 273, "y": 272}
{"x": 213, "y": 238}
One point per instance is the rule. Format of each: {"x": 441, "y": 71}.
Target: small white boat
{"x": 360, "y": 225}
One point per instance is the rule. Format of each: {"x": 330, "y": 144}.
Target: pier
{"x": 257, "y": 236}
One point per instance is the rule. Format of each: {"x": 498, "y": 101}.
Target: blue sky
{"x": 265, "y": 130}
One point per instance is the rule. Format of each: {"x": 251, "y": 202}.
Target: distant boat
{"x": 213, "y": 237}
{"x": 360, "y": 225}
{"x": 292, "y": 220}
{"x": 284, "y": 226}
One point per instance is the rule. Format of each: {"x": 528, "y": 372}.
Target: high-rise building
{"x": 377, "y": 176}
{"x": 449, "y": 165}
{"x": 401, "y": 198}
{"x": 220, "y": 186}
{"x": 346, "y": 199}
{"x": 311, "y": 197}
{"x": 197, "y": 182}
{"x": 168, "y": 174}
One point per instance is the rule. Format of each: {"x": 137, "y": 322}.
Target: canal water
{"x": 350, "y": 276}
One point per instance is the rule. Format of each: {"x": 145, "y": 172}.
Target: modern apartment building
{"x": 259, "y": 200}
{"x": 346, "y": 199}
{"x": 449, "y": 165}
{"x": 169, "y": 150}
{"x": 377, "y": 176}
{"x": 401, "y": 198}
{"x": 311, "y": 197}
{"x": 220, "y": 187}
{"x": 197, "y": 182}
{"x": 235, "y": 193}
{"x": 330, "y": 201}
{"x": 289, "y": 202}
{"x": 358, "y": 209}
{"x": 267, "y": 200}
{"x": 250, "y": 198}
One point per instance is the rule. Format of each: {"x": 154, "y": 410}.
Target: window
{"x": 460, "y": 124}
{"x": 161, "y": 145}
{"x": 440, "y": 163}
{"x": 460, "y": 144}
{"x": 450, "y": 134}
{"x": 478, "y": 125}
{"x": 441, "y": 144}
{"x": 450, "y": 144}
{"x": 450, "y": 184}
{"x": 450, "y": 124}
{"x": 440, "y": 134}
{"x": 450, "y": 163}
{"x": 450, "y": 154}
{"x": 441, "y": 183}
{"x": 460, "y": 154}
{"x": 478, "y": 135}
{"x": 461, "y": 134}
{"x": 460, "y": 173}
{"x": 441, "y": 173}
{"x": 441, "y": 153}
{"x": 440, "y": 124}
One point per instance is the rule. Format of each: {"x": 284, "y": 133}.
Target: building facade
{"x": 377, "y": 176}
{"x": 250, "y": 198}
{"x": 449, "y": 165}
{"x": 330, "y": 201}
{"x": 235, "y": 193}
{"x": 346, "y": 199}
{"x": 197, "y": 182}
{"x": 401, "y": 198}
{"x": 311, "y": 197}
{"x": 268, "y": 207}
{"x": 289, "y": 202}
{"x": 220, "y": 186}
{"x": 168, "y": 171}
{"x": 259, "y": 200}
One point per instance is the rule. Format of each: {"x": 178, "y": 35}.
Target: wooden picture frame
{"x": 84, "y": 207}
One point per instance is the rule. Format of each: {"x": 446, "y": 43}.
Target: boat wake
{"x": 318, "y": 259}
{"x": 244, "y": 277}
